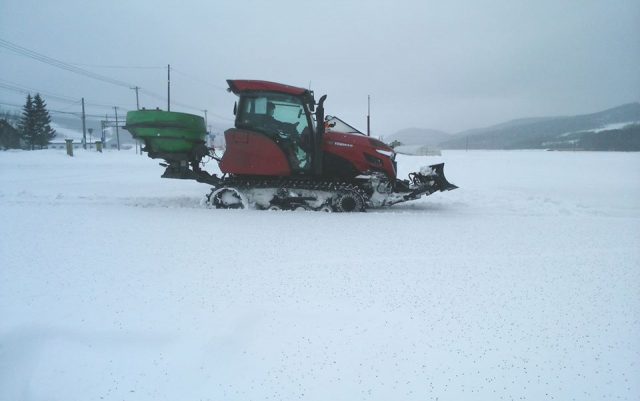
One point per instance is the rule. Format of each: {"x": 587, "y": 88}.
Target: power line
{"x": 71, "y": 105}
{"x": 76, "y": 114}
{"x": 25, "y": 90}
{"x": 194, "y": 78}
{"x": 62, "y": 98}
{"x": 80, "y": 71}
{"x": 49, "y": 110}
{"x": 123, "y": 67}
{"x": 164, "y": 99}
{"x": 60, "y": 64}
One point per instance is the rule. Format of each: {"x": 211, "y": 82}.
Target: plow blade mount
{"x": 428, "y": 180}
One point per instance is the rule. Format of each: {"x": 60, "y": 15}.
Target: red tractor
{"x": 284, "y": 153}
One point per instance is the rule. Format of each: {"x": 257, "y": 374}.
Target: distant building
{"x": 418, "y": 150}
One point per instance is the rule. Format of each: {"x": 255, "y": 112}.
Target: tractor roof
{"x": 244, "y": 85}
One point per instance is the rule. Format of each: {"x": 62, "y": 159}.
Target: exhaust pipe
{"x": 317, "y": 149}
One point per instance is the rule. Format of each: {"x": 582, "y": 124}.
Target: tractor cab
{"x": 284, "y": 119}
{"x": 280, "y": 131}
{"x": 275, "y": 132}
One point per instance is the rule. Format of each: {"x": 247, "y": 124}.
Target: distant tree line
{"x": 33, "y": 128}
{"x": 626, "y": 139}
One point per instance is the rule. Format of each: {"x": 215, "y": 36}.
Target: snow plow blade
{"x": 437, "y": 174}
{"x": 428, "y": 180}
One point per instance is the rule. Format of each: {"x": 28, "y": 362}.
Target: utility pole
{"x": 168, "y": 87}
{"x": 84, "y": 128}
{"x": 117, "y": 132}
{"x": 368, "y": 115}
{"x": 135, "y": 88}
{"x": 205, "y": 119}
{"x": 104, "y": 127}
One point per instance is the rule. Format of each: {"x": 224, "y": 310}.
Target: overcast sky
{"x": 449, "y": 65}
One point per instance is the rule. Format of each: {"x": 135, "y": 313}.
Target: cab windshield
{"x": 335, "y": 124}
{"x": 272, "y": 113}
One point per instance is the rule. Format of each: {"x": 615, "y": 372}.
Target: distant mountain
{"x": 418, "y": 136}
{"x": 618, "y": 137}
{"x": 550, "y": 132}
{"x": 507, "y": 125}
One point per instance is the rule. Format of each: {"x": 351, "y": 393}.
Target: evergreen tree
{"x": 35, "y": 123}
{"x": 44, "y": 132}
{"x": 27, "y": 123}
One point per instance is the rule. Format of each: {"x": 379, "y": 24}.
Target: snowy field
{"x": 524, "y": 283}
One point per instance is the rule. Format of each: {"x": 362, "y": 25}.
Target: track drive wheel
{"x": 349, "y": 201}
{"x": 228, "y": 198}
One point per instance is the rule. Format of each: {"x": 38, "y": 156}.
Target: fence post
{"x": 69, "y": 146}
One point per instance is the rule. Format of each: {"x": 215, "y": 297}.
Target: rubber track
{"x": 333, "y": 187}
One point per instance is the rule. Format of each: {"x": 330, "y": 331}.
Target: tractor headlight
{"x": 389, "y": 153}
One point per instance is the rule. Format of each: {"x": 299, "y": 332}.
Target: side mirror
{"x": 235, "y": 108}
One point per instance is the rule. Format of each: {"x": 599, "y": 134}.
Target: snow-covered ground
{"x": 524, "y": 283}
